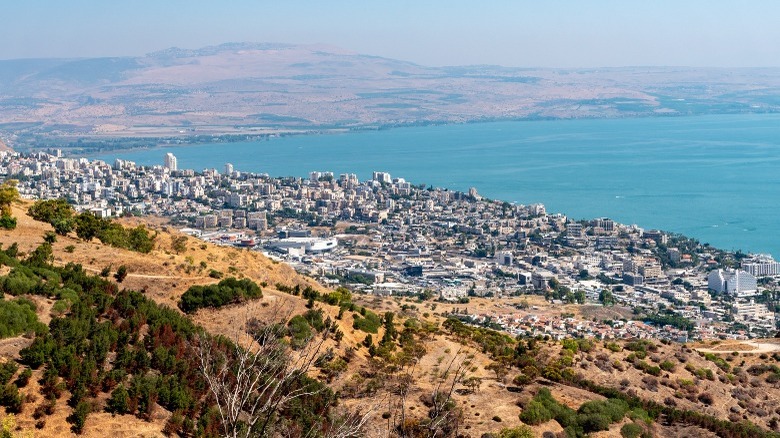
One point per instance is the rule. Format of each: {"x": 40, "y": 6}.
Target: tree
{"x": 500, "y": 369}
{"x": 119, "y": 401}
{"x": 79, "y": 417}
{"x": 444, "y": 416}
{"x": 121, "y": 274}
{"x": 50, "y": 238}
{"x": 472, "y": 383}
{"x": 56, "y": 212}
{"x": 179, "y": 243}
{"x": 8, "y": 195}
{"x": 87, "y": 226}
{"x": 606, "y": 298}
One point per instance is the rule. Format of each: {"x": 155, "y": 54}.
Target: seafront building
{"x": 761, "y": 265}
{"x": 171, "y": 162}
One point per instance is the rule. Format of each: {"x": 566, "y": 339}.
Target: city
{"x": 387, "y": 236}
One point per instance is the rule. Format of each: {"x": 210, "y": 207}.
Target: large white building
{"x": 762, "y": 265}
{"x": 382, "y": 177}
{"x": 170, "y": 162}
{"x": 738, "y": 283}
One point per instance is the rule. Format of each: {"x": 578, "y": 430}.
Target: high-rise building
{"x": 170, "y": 162}
{"x": 382, "y": 177}
{"x": 228, "y": 169}
{"x": 762, "y": 265}
{"x": 738, "y": 283}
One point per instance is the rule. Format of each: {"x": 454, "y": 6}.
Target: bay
{"x": 715, "y": 178}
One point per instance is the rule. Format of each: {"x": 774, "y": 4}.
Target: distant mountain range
{"x": 251, "y": 88}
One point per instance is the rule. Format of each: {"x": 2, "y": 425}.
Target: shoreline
{"x": 724, "y": 232}
{"x": 227, "y": 137}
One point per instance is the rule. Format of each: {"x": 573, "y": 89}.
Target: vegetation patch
{"x": 227, "y": 291}
{"x": 60, "y": 215}
{"x": 367, "y": 321}
{"x": 18, "y": 317}
{"x": 592, "y": 416}
{"x": 120, "y": 352}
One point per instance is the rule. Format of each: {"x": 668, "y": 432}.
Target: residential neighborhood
{"x": 387, "y": 236}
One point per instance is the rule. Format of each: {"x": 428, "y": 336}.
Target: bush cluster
{"x": 367, "y": 321}
{"x": 227, "y": 291}
{"x": 592, "y": 416}
{"x": 18, "y": 317}
{"x": 62, "y": 217}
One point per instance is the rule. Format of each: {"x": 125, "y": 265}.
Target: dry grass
{"x": 164, "y": 276}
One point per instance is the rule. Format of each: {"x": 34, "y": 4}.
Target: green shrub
{"x": 53, "y": 211}
{"x": 119, "y": 401}
{"x": 227, "y": 291}
{"x": 535, "y": 413}
{"x": 631, "y": 430}
{"x": 592, "y": 416}
{"x": 78, "y": 417}
{"x": 300, "y": 331}
{"x": 17, "y": 317}
{"x": 7, "y": 222}
{"x": 10, "y": 398}
{"x": 7, "y": 371}
{"x": 516, "y": 432}
{"x": 368, "y": 323}
{"x": 24, "y": 378}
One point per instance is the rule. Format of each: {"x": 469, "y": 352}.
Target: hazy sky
{"x": 534, "y": 33}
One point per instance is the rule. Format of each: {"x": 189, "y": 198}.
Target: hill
{"x": 421, "y": 372}
{"x": 253, "y": 89}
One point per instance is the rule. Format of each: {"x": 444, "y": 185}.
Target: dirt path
{"x": 130, "y": 274}
{"x": 755, "y": 347}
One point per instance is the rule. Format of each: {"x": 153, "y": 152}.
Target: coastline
{"x": 227, "y": 137}
{"x": 657, "y": 172}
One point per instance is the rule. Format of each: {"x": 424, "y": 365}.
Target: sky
{"x": 519, "y": 33}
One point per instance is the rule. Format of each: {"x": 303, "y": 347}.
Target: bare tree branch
{"x": 255, "y": 375}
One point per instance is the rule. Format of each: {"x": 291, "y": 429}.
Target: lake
{"x": 715, "y": 178}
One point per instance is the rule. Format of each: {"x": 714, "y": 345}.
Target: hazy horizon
{"x": 557, "y": 34}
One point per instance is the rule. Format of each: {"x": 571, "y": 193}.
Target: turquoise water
{"x": 715, "y": 178}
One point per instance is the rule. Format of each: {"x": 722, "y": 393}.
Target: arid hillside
{"x": 404, "y": 365}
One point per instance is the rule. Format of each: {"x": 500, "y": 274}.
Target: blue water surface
{"x": 715, "y": 178}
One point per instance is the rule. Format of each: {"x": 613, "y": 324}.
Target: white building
{"x": 738, "y": 283}
{"x": 170, "y": 162}
{"x": 751, "y": 311}
{"x": 762, "y": 266}
{"x": 382, "y": 177}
